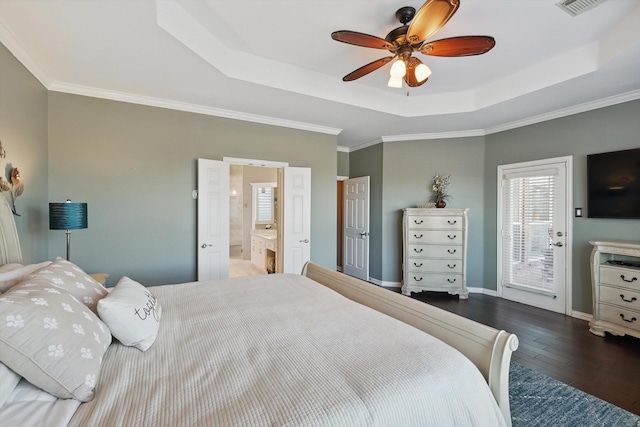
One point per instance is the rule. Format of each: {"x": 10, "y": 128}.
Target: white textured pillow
{"x": 132, "y": 313}
{"x": 68, "y": 276}
{"x": 51, "y": 339}
{"x": 12, "y": 274}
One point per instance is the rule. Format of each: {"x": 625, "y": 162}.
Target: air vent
{"x": 576, "y": 7}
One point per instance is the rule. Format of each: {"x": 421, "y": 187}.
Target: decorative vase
{"x": 441, "y": 204}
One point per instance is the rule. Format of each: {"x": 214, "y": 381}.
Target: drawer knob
{"x": 417, "y": 250}
{"x": 418, "y": 222}
{"x": 633, "y": 279}
{"x": 451, "y": 266}
{"x": 452, "y": 222}
{"x": 417, "y": 265}
{"x": 418, "y": 237}
{"x": 419, "y": 279}
{"x": 633, "y": 319}
{"x": 451, "y": 280}
{"x": 451, "y": 251}
{"x": 628, "y": 300}
{"x": 449, "y": 236}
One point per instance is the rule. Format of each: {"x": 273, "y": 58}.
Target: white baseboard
{"x": 582, "y": 316}
{"x": 385, "y": 284}
{"x": 483, "y": 291}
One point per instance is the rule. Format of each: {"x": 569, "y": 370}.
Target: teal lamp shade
{"x": 67, "y": 216}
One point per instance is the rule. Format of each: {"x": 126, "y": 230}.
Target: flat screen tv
{"x": 613, "y": 184}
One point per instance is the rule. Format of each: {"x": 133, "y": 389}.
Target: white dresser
{"x": 615, "y": 276}
{"x": 435, "y": 251}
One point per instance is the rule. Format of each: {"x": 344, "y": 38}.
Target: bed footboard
{"x": 488, "y": 348}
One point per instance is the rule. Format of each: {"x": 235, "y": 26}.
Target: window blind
{"x": 527, "y": 255}
{"x": 265, "y": 205}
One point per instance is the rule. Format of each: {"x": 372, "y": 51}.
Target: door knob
{"x": 364, "y": 234}
{"x": 304, "y": 241}
{"x": 204, "y": 245}
{"x": 558, "y": 244}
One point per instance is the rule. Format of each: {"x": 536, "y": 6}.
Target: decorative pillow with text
{"x": 132, "y": 313}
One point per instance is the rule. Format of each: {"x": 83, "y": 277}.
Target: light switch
{"x": 578, "y": 213}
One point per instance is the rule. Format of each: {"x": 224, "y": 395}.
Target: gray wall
{"x": 343, "y": 163}
{"x": 607, "y": 129}
{"x": 409, "y": 168}
{"x": 23, "y": 132}
{"x": 136, "y": 168}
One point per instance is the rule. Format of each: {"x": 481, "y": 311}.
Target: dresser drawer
{"x": 622, "y": 297}
{"x": 626, "y": 277}
{"x": 425, "y": 265}
{"x": 435, "y": 251}
{"x": 435, "y": 236}
{"x": 444, "y": 281}
{"x": 439, "y": 222}
{"x": 620, "y": 316}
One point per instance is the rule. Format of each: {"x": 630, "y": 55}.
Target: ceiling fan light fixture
{"x": 422, "y": 72}
{"x": 398, "y": 70}
{"x": 395, "y": 82}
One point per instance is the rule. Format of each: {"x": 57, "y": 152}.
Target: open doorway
{"x": 253, "y": 209}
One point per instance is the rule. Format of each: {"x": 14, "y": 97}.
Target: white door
{"x": 296, "y": 219}
{"x": 534, "y": 248}
{"x": 356, "y": 227}
{"x": 213, "y": 219}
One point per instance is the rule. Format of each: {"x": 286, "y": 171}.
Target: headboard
{"x": 9, "y": 243}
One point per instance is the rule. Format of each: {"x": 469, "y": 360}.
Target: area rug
{"x": 540, "y": 401}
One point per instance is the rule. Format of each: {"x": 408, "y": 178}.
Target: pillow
{"x": 9, "y": 267}
{"x": 68, "y": 276}
{"x": 14, "y": 275}
{"x": 8, "y": 381}
{"x": 51, "y": 339}
{"x": 132, "y": 313}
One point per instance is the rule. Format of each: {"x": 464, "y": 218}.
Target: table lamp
{"x": 67, "y": 216}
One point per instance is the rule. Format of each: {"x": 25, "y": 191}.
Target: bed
{"x": 320, "y": 348}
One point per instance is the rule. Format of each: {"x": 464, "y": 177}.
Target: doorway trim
{"x": 255, "y": 162}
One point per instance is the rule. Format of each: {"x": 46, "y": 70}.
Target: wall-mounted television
{"x": 613, "y": 184}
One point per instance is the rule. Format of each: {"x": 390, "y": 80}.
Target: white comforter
{"x": 282, "y": 350}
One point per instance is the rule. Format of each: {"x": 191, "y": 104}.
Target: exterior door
{"x": 296, "y": 219}
{"x": 213, "y": 219}
{"x": 534, "y": 265}
{"x": 356, "y": 227}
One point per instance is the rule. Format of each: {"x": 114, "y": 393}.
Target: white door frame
{"x": 568, "y": 238}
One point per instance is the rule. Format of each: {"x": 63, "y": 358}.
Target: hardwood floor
{"x": 559, "y": 346}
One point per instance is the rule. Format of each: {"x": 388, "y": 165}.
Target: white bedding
{"x": 283, "y": 350}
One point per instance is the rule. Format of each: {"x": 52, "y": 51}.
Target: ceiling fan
{"x": 403, "y": 41}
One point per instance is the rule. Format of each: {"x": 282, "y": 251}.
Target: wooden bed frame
{"x": 488, "y": 348}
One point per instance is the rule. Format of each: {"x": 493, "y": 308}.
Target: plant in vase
{"x": 439, "y": 188}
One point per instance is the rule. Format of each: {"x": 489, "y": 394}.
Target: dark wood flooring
{"x": 558, "y": 346}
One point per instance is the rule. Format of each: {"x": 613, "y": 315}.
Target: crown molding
{"x": 342, "y": 149}
{"x": 365, "y": 145}
{"x": 191, "y": 108}
{"x": 581, "y": 108}
{"x": 9, "y": 39}
{"x": 435, "y": 135}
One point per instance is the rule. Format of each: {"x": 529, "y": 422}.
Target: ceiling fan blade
{"x": 459, "y": 46}
{"x": 361, "y": 39}
{"x": 430, "y": 18}
{"x": 410, "y": 77}
{"x": 366, "y": 69}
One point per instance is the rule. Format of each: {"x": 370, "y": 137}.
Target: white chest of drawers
{"x": 434, "y": 251}
{"x": 616, "y": 288}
